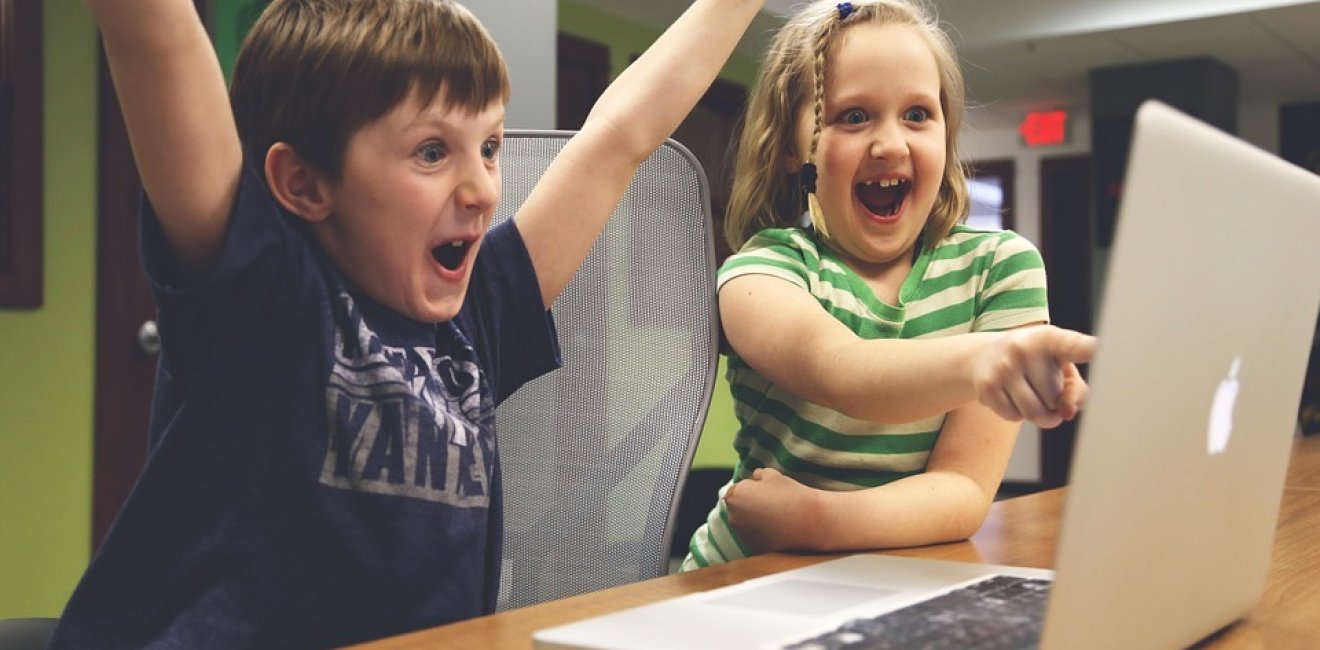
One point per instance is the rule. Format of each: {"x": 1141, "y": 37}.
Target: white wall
{"x": 525, "y": 33}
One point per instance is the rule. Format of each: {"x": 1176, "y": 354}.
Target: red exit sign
{"x": 1044, "y": 128}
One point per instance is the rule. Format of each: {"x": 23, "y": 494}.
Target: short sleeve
{"x": 514, "y": 332}
{"x": 1014, "y": 293}
{"x": 783, "y": 253}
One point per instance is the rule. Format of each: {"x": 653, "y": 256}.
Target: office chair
{"x": 594, "y": 455}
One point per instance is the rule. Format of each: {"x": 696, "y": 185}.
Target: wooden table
{"x": 1022, "y": 531}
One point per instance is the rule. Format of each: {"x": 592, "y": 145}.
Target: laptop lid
{"x": 1205, "y": 330}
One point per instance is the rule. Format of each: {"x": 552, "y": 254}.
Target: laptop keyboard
{"x": 997, "y": 612}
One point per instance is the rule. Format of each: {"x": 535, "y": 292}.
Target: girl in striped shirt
{"x": 881, "y": 354}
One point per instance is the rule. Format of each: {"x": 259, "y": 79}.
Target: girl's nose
{"x": 889, "y": 142}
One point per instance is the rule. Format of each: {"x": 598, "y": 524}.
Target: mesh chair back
{"x": 594, "y": 455}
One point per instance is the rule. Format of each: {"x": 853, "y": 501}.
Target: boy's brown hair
{"x": 312, "y": 72}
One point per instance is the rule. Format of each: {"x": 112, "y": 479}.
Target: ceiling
{"x": 1021, "y": 55}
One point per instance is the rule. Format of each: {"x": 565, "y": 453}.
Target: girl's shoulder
{"x": 964, "y": 239}
{"x": 792, "y": 253}
{"x": 787, "y": 238}
{"x": 790, "y": 243}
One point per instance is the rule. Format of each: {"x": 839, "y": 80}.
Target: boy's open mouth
{"x": 451, "y": 255}
{"x": 883, "y": 197}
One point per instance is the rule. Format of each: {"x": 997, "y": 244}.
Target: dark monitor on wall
{"x": 1202, "y": 87}
{"x": 1299, "y": 135}
{"x": 1110, "y": 140}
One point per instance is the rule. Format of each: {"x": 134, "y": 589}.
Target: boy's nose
{"x": 479, "y": 189}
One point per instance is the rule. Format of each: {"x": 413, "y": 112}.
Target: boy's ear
{"x": 295, "y": 184}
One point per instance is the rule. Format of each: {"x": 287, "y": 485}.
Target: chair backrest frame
{"x": 594, "y": 456}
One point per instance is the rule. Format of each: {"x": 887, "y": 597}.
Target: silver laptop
{"x": 1209, "y": 310}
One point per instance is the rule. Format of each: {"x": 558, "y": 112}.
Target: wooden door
{"x": 582, "y": 70}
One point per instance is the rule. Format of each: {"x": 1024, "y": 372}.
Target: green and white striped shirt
{"x": 973, "y": 281}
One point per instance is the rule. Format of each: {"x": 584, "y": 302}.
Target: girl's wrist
{"x": 812, "y": 530}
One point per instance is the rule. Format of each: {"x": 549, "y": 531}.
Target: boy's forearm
{"x": 649, "y": 99}
{"x": 176, "y": 110}
{"x": 562, "y": 216}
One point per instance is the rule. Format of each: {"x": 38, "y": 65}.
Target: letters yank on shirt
{"x": 403, "y": 421}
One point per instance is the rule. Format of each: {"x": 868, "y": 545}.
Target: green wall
{"x": 47, "y": 355}
{"x": 716, "y": 446}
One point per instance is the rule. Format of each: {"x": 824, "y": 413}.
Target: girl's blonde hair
{"x": 763, "y": 195}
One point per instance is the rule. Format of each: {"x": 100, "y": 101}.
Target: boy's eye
{"x": 916, "y": 115}
{"x": 490, "y": 148}
{"x": 431, "y": 152}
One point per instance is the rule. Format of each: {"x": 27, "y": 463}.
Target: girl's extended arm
{"x": 176, "y": 109}
{"x": 782, "y": 332}
{"x": 567, "y": 210}
{"x": 947, "y": 502}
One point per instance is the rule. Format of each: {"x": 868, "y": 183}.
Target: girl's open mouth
{"x": 884, "y": 197}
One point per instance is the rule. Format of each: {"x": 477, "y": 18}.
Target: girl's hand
{"x": 772, "y": 512}
{"x": 1031, "y": 374}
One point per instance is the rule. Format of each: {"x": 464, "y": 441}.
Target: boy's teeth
{"x": 888, "y": 182}
{"x": 456, "y": 244}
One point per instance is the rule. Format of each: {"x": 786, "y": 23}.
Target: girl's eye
{"x": 431, "y": 152}
{"x": 490, "y": 148}
{"x": 854, "y": 116}
{"x": 916, "y": 115}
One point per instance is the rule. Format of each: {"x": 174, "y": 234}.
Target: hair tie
{"x": 845, "y": 10}
{"x": 808, "y": 177}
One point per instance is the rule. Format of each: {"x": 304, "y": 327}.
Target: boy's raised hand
{"x": 1031, "y": 374}
{"x": 176, "y": 109}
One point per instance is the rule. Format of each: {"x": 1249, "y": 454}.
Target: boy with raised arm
{"x": 337, "y": 322}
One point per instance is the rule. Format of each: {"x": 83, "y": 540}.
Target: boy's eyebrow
{"x": 438, "y": 114}
{"x": 441, "y": 108}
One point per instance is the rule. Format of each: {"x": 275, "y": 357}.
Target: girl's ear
{"x": 790, "y": 162}
{"x": 297, "y": 186}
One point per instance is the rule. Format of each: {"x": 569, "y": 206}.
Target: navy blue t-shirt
{"x": 322, "y": 470}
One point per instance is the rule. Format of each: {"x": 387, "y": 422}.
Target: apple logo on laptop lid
{"x": 1221, "y": 410}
